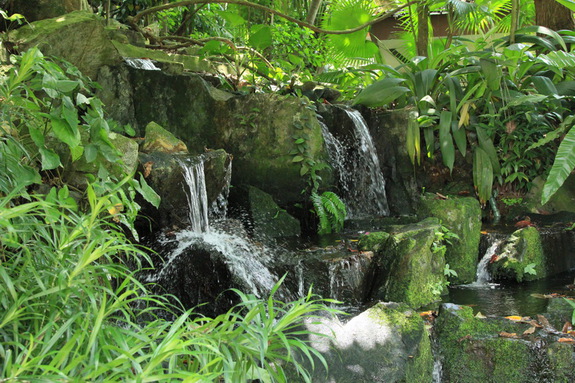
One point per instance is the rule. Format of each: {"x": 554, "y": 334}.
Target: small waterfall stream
{"x": 482, "y": 276}
{"x": 357, "y": 166}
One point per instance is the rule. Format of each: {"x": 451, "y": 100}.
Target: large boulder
{"x": 474, "y": 349}
{"x": 562, "y": 200}
{"x": 35, "y": 10}
{"x": 264, "y": 219}
{"x": 462, "y": 216}
{"x": 408, "y": 264}
{"x": 386, "y": 343}
{"x": 78, "y": 37}
{"x": 520, "y": 258}
{"x": 259, "y": 130}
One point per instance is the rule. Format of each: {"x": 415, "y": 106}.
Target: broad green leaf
{"x": 50, "y": 160}
{"x": 261, "y": 37}
{"x": 445, "y": 140}
{"x": 491, "y": 72}
{"x": 567, "y": 3}
{"x": 429, "y": 137}
{"x": 424, "y": 82}
{"x": 460, "y": 137}
{"x": 65, "y": 86}
{"x": 77, "y": 152}
{"x": 562, "y": 166}
{"x": 148, "y": 193}
{"x": 545, "y": 31}
{"x": 231, "y": 18}
{"x": 544, "y": 85}
{"x": 90, "y": 152}
{"x": 37, "y": 136}
{"x": 64, "y": 132}
{"x": 482, "y": 174}
{"x": 381, "y": 92}
{"x": 486, "y": 144}
{"x": 297, "y": 159}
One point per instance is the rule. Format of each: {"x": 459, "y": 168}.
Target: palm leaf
{"x": 562, "y": 166}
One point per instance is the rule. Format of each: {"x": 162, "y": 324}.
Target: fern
{"x": 330, "y": 211}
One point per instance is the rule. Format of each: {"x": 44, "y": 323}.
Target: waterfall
{"x": 219, "y": 208}
{"x": 482, "y": 277}
{"x": 144, "y": 64}
{"x": 193, "y": 172}
{"x": 244, "y": 261}
{"x": 360, "y": 180}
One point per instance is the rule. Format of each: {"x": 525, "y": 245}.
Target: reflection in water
{"x": 512, "y": 299}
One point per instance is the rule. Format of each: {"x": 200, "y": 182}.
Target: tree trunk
{"x": 422, "y": 29}
{"x": 551, "y": 14}
{"x": 313, "y": 11}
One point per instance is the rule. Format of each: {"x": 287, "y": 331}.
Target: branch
{"x": 134, "y": 20}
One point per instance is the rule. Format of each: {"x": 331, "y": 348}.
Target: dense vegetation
{"x": 71, "y": 307}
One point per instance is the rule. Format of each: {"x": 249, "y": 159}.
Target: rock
{"x": 461, "y": 215}
{"x": 520, "y": 253}
{"x": 78, "y": 37}
{"x": 496, "y": 350}
{"x": 35, "y": 10}
{"x": 386, "y": 343}
{"x": 562, "y": 200}
{"x": 558, "y": 312}
{"x": 158, "y": 139}
{"x": 257, "y": 129}
{"x": 164, "y": 174}
{"x": 263, "y": 217}
{"x": 408, "y": 264}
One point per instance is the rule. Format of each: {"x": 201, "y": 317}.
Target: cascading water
{"x": 360, "y": 179}
{"x": 143, "y": 64}
{"x": 232, "y": 260}
{"x": 218, "y": 209}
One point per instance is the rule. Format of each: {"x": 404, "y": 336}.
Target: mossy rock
{"x": 405, "y": 267}
{"x": 521, "y": 253}
{"x": 478, "y": 350}
{"x": 386, "y": 343}
{"x": 78, "y": 37}
{"x": 35, "y": 10}
{"x": 264, "y": 218}
{"x": 462, "y": 216}
{"x": 158, "y": 139}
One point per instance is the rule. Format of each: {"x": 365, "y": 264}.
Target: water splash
{"x": 144, "y": 64}
{"x": 482, "y": 276}
{"x": 219, "y": 207}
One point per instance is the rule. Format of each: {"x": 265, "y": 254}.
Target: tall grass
{"x": 71, "y": 308}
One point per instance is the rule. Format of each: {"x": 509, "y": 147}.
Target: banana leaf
{"x": 562, "y": 166}
{"x": 381, "y": 92}
{"x": 445, "y": 140}
{"x": 482, "y": 174}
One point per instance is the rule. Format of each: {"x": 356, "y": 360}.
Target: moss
{"x": 373, "y": 241}
{"x": 561, "y": 358}
{"x": 461, "y": 215}
{"x": 472, "y": 351}
{"x": 158, "y": 139}
{"x": 521, "y": 250}
{"x": 405, "y": 267}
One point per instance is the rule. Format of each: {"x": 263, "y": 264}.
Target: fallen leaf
{"x": 504, "y": 334}
{"x": 425, "y": 313}
{"x": 480, "y": 315}
{"x": 514, "y": 317}
{"x": 529, "y": 331}
{"x": 466, "y": 337}
{"x": 567, "y": 327}
{"x": 441, "y": 196}
{"x": 571, "y": 332}
{"x": 148, "y": 168}
{"x": 566, "y": 340}
{"x": 484, "y": 232}
{"x": 534, "y": 323}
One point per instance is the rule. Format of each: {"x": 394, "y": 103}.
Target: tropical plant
{"x": 73, "y": 310}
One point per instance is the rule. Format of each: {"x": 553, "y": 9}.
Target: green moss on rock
{"x": 158, "y": 139}
{"x": 405, "y": 268}
{"x": 520, "y": 253}
{"x": 461, "y": 215}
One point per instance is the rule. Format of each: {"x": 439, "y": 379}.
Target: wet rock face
{"x": 405, "y": 267}
{"x": 387, "y": 343}
{"x": 461, "y": 215}
{"x": 498, "y": 350}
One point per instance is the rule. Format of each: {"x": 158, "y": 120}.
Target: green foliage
{"x": 73, "y": 310}
{"x": 443, "y": 237}
{"x": 449, "y": 272}
{"x": 330, "y": 211}
{"x": 530, "y": 269}
{"x": 562, "y": 166}
{"x": 572, "y": 303}
{"x": 49, "y": 119}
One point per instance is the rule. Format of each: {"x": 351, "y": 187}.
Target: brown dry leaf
{"x": 543, "y": 321}
{"x": 567, "y": 327}
{"x": 504, "y": 334}
{"x": 566, "y": 340}
{"x": 425, "y": 313}
{"x": 514, "y": 317}
{"x": 510, "y": 127}
{"x": 148, "y": 168}
{"x": 529, "y": 331}
{"x": 534, "y": 323}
